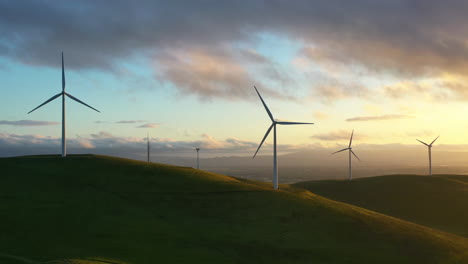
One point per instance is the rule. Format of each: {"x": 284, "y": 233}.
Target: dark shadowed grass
{"x": 438, "y": 201}
{"x": 93, "y": 207}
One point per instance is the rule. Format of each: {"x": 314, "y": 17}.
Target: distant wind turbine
{"x": 429, "y": 147}
{"x": 198, "y": 158}
{"x": 274, "y": 122}
{"x": 350, "y": 151}
{"x": 148, "y": 147}
{"x": 63, "y": 94}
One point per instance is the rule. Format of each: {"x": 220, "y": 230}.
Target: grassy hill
{"x": 93, "y": 209}
{"x": 439, "y": 201}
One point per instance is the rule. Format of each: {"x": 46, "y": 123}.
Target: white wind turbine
{"x": 350, "y": 151}
{"x": 274, "y": 122}
{"x": 429, "y": 147}
{"x": 63, "y": 94}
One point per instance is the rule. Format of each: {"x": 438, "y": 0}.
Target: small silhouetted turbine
{"x": 198, "y": 158}
{"x": 429, "y": 147}
{"x": 63, "y": 94}
{"x": 350, "y": 149}
{"x": 274, "y": 122}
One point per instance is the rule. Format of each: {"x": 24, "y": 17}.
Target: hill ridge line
{"x": 25, "y": 260}
{"x": 452, "y": 180}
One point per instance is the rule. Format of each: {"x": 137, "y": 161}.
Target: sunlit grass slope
{"x": 439, "y": 201}
{"x": 94, "y": 209}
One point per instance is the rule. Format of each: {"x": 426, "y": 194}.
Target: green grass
{"x": 439, "y": 201}
{"x": 94, "y": 209}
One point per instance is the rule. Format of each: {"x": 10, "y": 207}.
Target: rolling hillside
{"x": 439, "y": 201}
{"x": 93, "y": 209}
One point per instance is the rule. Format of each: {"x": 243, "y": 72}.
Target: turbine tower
{"x": 274, "y": 122}
{"x": 63, "y": 94}
{"x": 198, "y": 158}
{"x": 350, "y": 151}
{"x": 429, "y": 147}
{"x": 148, "y": 147}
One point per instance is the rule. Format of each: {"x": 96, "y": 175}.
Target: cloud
{"x": 205, "y": 74}
{"x": 378, "y": 118}
{"x": 149, "y": 125}
{"x": 84, "y": 143}
{"x": 403, "y": 38}
{"x": 28, "y": 123}
{"x": 329, "y": 90}
{"x": 219, "y": 73}
{"x": 130, "y": 121}
{"x": 339, "y": 136}
{"x": 108, "y": 144}
{"x": 253, "y": 56}
{"x": 424, "y": 133}
{"x": 197, "y": 56}
{"x": 443, "y": 87}
{"x": 121, "y": 122}
{"x": 241, "y": 143}
{"x": 446, "y": 86}
{"x": 451, "y": 87}
{"x": 13, "y": 140}
{"x": 406, "y": 88}
{"x": 102, "y": 135}
{"x": 320, "y": 115}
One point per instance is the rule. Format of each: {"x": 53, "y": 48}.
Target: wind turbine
{"x": 350, "y": 151}
{"x": 63, "y": 94}
{"x": 148, "y": 147}
{"x": 429, "y": 147}
{"x": 274, "y": 122}
{"x": 198, "y": 158}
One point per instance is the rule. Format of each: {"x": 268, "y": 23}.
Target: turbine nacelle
{"x": 64, "y": 94}
{"x": 274, "y": 122}
{"x": 349, "y": 146}
{"x": 429, "y": 147}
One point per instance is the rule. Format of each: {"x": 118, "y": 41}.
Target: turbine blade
{"x": 261, "y": 143}
{"x": 293, "y": 123}
{"x": 351, "y": 140}
{"x": 63, "y": 75}
{"x": 422, "y": 142}
{"x": 51, "y": 99}
{"x": 434, "y": 140}
{"x": 266, "y": 107}
{"x": 340, "y": 150}
{"x": 76, "y": 99}
{"x": 355, "y": 155}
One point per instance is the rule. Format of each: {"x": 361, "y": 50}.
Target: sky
{"x": 184, "y": 71}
